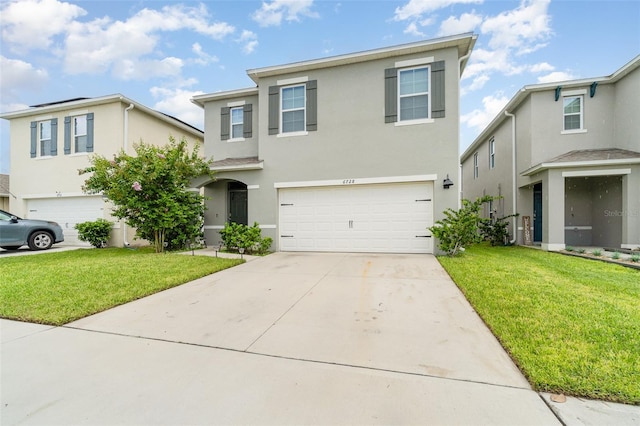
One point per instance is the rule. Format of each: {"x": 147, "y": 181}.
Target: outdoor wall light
{"x": 447, "y": 183}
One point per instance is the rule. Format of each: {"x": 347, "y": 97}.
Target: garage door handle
{"x": 426, "y": 199}
{"x": 286, "y": 236}
{"x": 423, "y": 236}
{"x": 285, "y": 204}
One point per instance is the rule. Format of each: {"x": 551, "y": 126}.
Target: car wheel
{"x": 40, "y": 240}
{"x": 10, "y": 247}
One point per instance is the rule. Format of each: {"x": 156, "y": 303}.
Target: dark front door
{"x": 238, "y": 203}
{"x": 537, "y": 212}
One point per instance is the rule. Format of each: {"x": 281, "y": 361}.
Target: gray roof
{"x": 244, "y": 163}
{"x": 595, "y": 155}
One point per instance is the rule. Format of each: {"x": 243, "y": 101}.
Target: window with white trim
{"x": 492, "y": 153}
{"x": 475, "y": 166}
{"x": 293, "y": 109}
{"x": 237, "y": 122}
{"x": 413, "y": 93}
{"x": 44, "y": 138}
{"x": 79, "y": 133}
{"x": 572, "y": 110}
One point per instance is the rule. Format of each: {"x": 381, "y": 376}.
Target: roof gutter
{"x": 460, "y": 60}
{"x": 513, "y": 175}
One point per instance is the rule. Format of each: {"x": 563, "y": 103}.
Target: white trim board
{"x": 604, "y": 172}
{"x": 356, "y": 181}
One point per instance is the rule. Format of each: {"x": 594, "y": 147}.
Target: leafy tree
{"x": 151, "y": 190}
{"x": 460, "y": 228}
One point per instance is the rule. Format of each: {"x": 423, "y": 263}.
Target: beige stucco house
{"x": 566, "y": 156}
{"x": 51, "y": 142}
{"x": 4, "y": 192}
{"x": 347, "y": 153}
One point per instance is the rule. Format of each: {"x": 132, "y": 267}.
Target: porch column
{"x": 631, "y": 209}
{"x": 553, "y": 211}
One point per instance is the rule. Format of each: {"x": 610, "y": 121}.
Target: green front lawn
{"x": 572, "y": 325}
{"x": 56, "y": 288}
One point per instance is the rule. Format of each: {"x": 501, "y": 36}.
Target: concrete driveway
{"x": 284, "y": 339}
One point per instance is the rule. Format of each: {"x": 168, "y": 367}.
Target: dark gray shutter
{"x": 274, "y": 110}
{"x": 90, "y": 132}
{"x": 34, "y": 138}
{"x": 54, "y": 136}
{"x": 312, "y": 105}
{"x": 67, "y": 135}
{"x": 437, "y": 89}
{"x": 390, "y": 95}
{"x": 247, "y": 121}
{"x": 225, "y": 123}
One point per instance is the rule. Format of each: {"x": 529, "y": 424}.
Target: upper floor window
{"x": 475, "y": 166}
{"x": 572, "y": 112}
{"x": 413, "y": 89}
{"x": 44, "y": 138}
{"x": 78, "y": 133}
{"x": 237, "y": 120}
{"x": 293, "y": 107}
{"x": 492, "y": 153}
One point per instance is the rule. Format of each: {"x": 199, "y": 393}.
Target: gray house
{"x": 346, "y": 153}
{"x": 566, "y": 156}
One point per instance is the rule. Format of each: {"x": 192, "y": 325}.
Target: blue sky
{"x": 161, "y": 53}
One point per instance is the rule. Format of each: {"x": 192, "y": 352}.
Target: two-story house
{"x": 566, "y": 157}
{"x": 346, "y": 153}
{"x": 51, "y": 142}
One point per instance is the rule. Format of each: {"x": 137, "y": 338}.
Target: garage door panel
{"x": 362, "y": 218}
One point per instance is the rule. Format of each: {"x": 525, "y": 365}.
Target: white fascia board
{"x": 356, "y": 181}
{"x": 254, "y": 166}
{"x": 200, "y": 100}
{"x": 574, "y": 164}
{"x": 601, "y": 172}
{"x": 58, "y": 195}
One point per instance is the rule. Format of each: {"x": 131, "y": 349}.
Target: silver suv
{"x": 38, "y": 234}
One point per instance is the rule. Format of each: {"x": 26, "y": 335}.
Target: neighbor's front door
{"x": 537, "y": 212}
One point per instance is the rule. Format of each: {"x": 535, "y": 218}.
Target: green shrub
{"x": 616, "y": 255}
{"x": 635, "y": 258}
{"x": 496, "y": 230}
{"x": 95, "y": 233}
{"x": 236, "y": 236}
{"x": 569, "y": 248}
{"x": 581, "y": 251}
{"x": 597, "y": 253}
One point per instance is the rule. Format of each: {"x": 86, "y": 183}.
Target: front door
{"x": 537, "y": 212}
{"x": 238, "y": 203}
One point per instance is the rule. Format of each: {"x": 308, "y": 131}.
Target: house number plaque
{"x": 348, "y": 181}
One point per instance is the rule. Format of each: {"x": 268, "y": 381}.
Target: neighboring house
{"x": 576, "y": 175}
{"x": 345, "y": 154}
{"x": 4, "y": 192}
{"x": 51, "y": 142}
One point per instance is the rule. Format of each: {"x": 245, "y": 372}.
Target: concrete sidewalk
{"x": 284, "y": 339}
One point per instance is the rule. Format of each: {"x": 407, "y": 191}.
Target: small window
{"x": 237, "y": 122}
{"x": 475, "y": 165}
{"x": 572, "y": 112}
{"x": 413, "y": 89}
{"x": 44, "y": 138}
{"x": 80, "y": 133}
{"x": 293, "y": 109}
{"x": 492, "y": 153}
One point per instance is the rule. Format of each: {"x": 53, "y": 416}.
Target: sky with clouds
{"x": 161, "y": 53}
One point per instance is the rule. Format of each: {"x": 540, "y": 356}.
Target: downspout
{"x": 462, "y": 58}
{"x": 125, "y": 146}
{"x": 513, "y": 175}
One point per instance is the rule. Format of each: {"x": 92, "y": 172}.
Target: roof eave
{"x": 200, "y": 100}
{"x": 567, "y": 164}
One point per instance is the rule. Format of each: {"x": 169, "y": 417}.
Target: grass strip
{"x": 57, "y": 288}
{"x": 572, "y": 325}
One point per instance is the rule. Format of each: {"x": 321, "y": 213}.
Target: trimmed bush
{"x": 236, "y": 236}
{"x": 95, "y": 233}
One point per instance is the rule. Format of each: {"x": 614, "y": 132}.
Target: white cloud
{"x": 177, "y": 102}
{"x": 466, "y": 23}
{"x": 250, "y": 40}
{"x": 17, "y": 76}
{"x": 541, "y": 67}
{"x": 478, "y": 119}
{"x": 556, "y": 76}
{"x": 31, "y": 24}
{"x": 272, "y": 14}
{"x": 522, "y": 28}
{"x": 203, "y": 58}
{"x": 416, "y": 8}
{"x": 412, "y": 29}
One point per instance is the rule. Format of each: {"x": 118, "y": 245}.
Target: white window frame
{"x": 283, "y": 110}
{"x": 41, "y": 140}
{"x": 427, "y": 93}
{"x": 565, "y": 98}
{"x": 74, "y": 135}
{"x": 492, "y": 153}
{"x": 232, "y": 136}
{"x": 475, "y": 166}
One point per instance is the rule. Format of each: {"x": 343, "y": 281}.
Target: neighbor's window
{"x": 80, "y": 133}
{"x": 44, "y": 138}
{"x": 237, "y": 122}
{"x": 293, "y": 109}
{"x": 475, "y": 165}
{"x": 413, "y": 89}
{"x": 572, "y": 112}
{"x": 492, "y": 153}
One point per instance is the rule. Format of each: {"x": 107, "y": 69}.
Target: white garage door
{"x": 67, "y": 212}
{"x": 384, "y": 218}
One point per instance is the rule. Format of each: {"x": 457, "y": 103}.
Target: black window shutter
{"x": 247, "y": 121}
{"x": 312, "y": 105}
{"x": 54, "y": 136}
{"x": 67, "y": 135}
{"x": 437, "y": 89}
{"x": 390, "y": 95}
{"x": 90, "y": 132}
{"x": 274, "y": 110}
{"x": 34, "y": 138}
{"x": 225, "y": 123}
